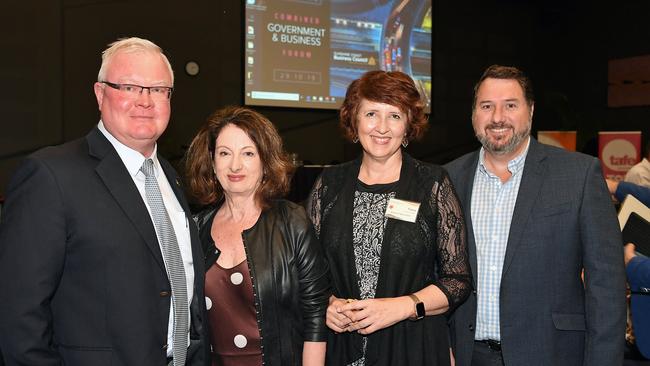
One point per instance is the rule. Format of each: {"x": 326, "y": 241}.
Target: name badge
{"x": 402, "y": 210}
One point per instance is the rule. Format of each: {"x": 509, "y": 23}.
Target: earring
{"x": 405, "y": 142}
{"x": 355, "y": 139}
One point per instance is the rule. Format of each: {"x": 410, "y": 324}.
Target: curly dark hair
{"x": 390, "y": 87}
{"x": 199, "y": 162}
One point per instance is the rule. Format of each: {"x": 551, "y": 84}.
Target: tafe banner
{"x": 618, "y": 151}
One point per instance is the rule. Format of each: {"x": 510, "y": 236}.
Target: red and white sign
{"x": 618, "y": 152}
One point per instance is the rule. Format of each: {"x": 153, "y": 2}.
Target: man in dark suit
{"x": 95, "y": 271}
{"x": 536, "y": 216}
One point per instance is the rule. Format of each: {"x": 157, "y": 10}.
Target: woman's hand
{"x": 313, "y": 353}
{"x": 370, "y": 315}
{"x": 336, "y": 319}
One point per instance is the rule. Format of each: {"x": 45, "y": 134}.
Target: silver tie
{"x": 173, "y": 260}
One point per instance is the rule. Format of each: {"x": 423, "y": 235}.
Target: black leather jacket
{"x": 290, "y": 278}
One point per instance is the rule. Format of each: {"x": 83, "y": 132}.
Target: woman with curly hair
{"x": 267, "y": 283}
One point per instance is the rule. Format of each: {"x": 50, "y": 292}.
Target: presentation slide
{"x": 305, "y": 53}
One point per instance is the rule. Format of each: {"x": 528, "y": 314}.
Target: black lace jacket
{"x": 432, "y": 250}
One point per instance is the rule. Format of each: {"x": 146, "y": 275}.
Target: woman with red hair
{"x": 393, "y": 234}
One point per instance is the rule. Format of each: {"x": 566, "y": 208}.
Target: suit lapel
{"x": 112, "y": 172}
{"x": 531, "y": 183}
{"x": 464, "y": 191}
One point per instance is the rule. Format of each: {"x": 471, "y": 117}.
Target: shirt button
{"x": 493, "y": 268}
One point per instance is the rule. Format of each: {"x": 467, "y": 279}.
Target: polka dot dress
{"x": 231, "y": 310}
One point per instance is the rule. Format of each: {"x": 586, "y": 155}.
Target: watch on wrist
{"x": 419, "y": 308}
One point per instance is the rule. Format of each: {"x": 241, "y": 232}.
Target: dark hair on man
{"x": 199, "y": 164}
{"x": 507, "y": 72}
{"x": 394, "y": 88}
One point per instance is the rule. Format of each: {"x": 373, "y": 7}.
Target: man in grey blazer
{"x": 87, "y": 274}
{"x": 537, "y": 216}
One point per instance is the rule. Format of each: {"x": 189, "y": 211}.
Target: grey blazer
{"x": 563, "y": 221}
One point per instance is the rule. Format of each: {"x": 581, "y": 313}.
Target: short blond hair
{"x": 130, "y": 45}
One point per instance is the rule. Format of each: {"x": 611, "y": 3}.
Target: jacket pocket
{"x": 553, "y": 210}
{"x": 568, "y": 321}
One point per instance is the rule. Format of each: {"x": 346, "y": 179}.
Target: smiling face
{"x": 137, "y": 122}
{"x": 381, "y": 128}
{"x": 237, "y": 162}
{"x": 502, "y": 117}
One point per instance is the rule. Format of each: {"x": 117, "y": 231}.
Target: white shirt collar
{"x": 132, "y": 159}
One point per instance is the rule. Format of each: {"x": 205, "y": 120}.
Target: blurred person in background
{"x": 640, "y": 173}
{"x": 637, "y": 268}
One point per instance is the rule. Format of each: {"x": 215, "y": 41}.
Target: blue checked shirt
{"x": 492, "y": 205}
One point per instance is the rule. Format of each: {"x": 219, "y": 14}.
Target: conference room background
{"x": 51, "y": 55}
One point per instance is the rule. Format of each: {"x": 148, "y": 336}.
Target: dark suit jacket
{"x": 83, "y": 277}
{"x": 563, "y": 221}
